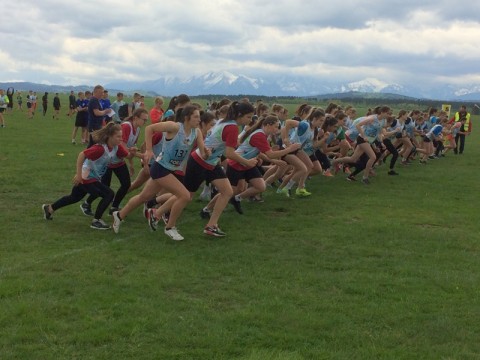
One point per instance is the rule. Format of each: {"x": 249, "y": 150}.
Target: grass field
{"x": 386, "y": 271}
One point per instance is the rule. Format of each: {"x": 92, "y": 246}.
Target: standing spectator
{"x": 135, "y": 104}
{"x": 45, "y": 103}
{"x": 10, "y": 92}
{"x": 19, "y": 100}
{"x": 117, "y": 104}
{"x": 72, "y": 103}
{"x": 462, "y": 115}
{"x": 34, "y": 102}
{"x": 4, "y": 101}
{"x": 56, "y": 106}
{"x": 96, "y": 113}
{"x": 156, "y": 112}
{"x": 81, "y": 119}
{"x": 105, "y": 101}
{"x": 29, "y": 104}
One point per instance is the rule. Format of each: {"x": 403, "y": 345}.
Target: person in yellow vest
{"x": 4, "y": 101}
{"x": 462, "y": 115}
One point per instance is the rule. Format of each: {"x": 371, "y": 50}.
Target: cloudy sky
{"x": 89, "y": 42}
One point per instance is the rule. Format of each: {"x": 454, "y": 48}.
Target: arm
{"x": 204, "y": 152}
{"x": 169, "y": 127}
{"x": 77, "y": 179}
{"x": 232, "y": 155}
{"x": 271, "y": 154}
{"x": 289, "y": 124}
{"x": 99, "y": 112}
{"x": 359, "y": 126}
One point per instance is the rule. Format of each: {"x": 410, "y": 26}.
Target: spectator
{"x": 117, "y": 104}
{"x": 72, "y": 103}
{"x": 4, "y": 101}
{"x": 44, "y": 103}
{"x": 96, "y": 113}
{"x": 56, "y": 107}
{"x": 462, "y": 115}
{"x": 157, "y": 112}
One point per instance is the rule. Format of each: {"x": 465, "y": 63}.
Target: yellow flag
{"x": 447, "y": 108}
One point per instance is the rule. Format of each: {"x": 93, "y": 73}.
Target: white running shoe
{"x": 173, "y": 234}
{"x": 116, "y": 222}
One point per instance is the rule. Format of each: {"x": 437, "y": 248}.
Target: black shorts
{"x": 57, "y": 108}
{"x": 426, "y": 139}
{"x": 72, "y": 106}
{"x": 29, "y": 105}
{"x": 195, "y": 174}
{"x": 81, "y": 121}
{"x": 313, "y": 157}
{"x": 2, "y": 110}
{"x": 234, "y": 175}
{"x": 157, "y": 171}
{"x": 360, "y": 140}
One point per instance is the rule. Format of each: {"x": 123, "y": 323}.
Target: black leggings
{"x": 438, "y": 147}
{"x": 123, "y": 176}
{"x": 388, "y": 144}
{"x": 323, "y": 159}
{"x": 460, "y": 141}
{"x": 360, "y": 165}
{"x": 79, "y": 191}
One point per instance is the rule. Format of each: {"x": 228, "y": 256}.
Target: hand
{"x": 77, "y": 179}
{"x": 147, "y": 156}
{"x": 294, "y": 147}
{"x": 252, "y": 162}
{"x": 207, "y": 154}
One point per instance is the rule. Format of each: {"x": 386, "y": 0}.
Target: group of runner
{"x": 237, "y": 150}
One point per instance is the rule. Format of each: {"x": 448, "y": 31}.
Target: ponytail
{"x": 263, "y": 121}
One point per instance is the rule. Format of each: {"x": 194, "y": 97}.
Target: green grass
{"x": 388, "y": 271}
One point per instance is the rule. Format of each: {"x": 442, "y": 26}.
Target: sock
{"x": 290, "y": 185}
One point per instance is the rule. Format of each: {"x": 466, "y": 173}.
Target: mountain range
{"x": 228, "y": 83}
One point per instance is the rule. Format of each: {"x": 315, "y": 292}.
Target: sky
{"x": 96, "y": 42}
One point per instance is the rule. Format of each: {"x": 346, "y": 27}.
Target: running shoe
{"x": 46, "y": 214}
{"x": 284, "y": 191}
{"x": 205, "y": 214}
{"x": 327, "y": 173}
{"x": 236, "y": 204}
{"x": 99, "y": 224}
{"x": 152, "y": 220}
{"x": 173, "y": 234}
{"x": 213, "y": 231}
{"x": 302, "y": 192}
{"x": 86, "y": 209}
{"x": 116, "y": 222}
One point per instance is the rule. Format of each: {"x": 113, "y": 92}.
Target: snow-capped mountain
{"x": 228, "y": 83}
